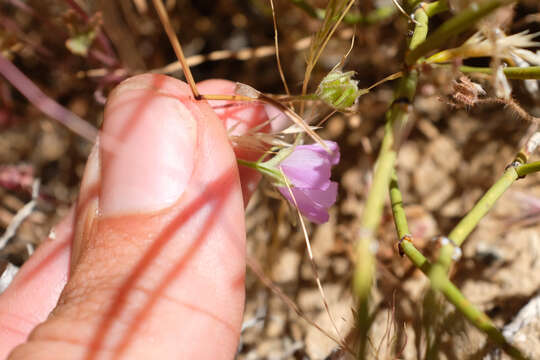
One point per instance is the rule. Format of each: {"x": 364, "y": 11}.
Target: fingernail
{"x": 150, "y": 158}
{"x": 90, "y": 180}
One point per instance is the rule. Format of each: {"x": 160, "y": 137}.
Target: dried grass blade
{"x": 276, "y": 44}
{"x": 252, "y": 264}
{"x": 175, "y": 43}
{"x": 311, "y": 259}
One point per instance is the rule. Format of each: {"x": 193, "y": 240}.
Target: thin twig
{"x": 320, "y": 40}
{"x": 402, "y": 11}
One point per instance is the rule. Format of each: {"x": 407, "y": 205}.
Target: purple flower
{"x": 308, "y": 170}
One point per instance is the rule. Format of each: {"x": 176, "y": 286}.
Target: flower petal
{"x": 312, "y": 210}
{"x": 333, "y": 157}
{"x": 325, "y": 198}
{"x": 306, "y": 168}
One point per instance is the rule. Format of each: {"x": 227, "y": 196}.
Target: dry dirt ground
{"x": 449, "y": 159}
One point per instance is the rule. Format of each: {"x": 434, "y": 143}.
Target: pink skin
{"x": 155, "y": 248}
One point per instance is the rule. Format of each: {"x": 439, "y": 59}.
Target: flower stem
{"x": 265, "y": 170}
{"x": 441, "y": 281}
{"x": 396, "y": 117}
{"x": 523, "y": 73}
{"x": 456, "y": 25}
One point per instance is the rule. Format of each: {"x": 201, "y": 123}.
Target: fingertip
{"x": 157, "y": 270}
{"x": 148, "y": 164}
{"x": 238, "y": 118}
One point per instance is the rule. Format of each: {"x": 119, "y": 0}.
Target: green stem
{"x": 431, "y": 9}
{"x": 529, "y": 168}
{"x": 372, "y": 17}
{"x": 436, "y": 7}
{"x": 456, "y": 25}
{"x": 531, "y": 72}
{"x": 481, "y": 208}
{"x": 396, "y": 117}
{"x": 440, "y": 280}
{"x": 260, "y": 167}
{"x": 396, "y": 199}
{"x": 469, "y": 222}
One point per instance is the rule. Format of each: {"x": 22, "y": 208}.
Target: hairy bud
{"x": 339, "y": 90}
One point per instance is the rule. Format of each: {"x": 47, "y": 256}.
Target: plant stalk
{"x": 396, "y": 118}
{"x": 522, "y": 73}
{"x": 441, "y": 281}
{"x": 456, "y": 25}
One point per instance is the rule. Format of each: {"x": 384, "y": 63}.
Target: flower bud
{"x": 339, "y": 90}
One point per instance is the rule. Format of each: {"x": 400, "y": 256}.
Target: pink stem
{"x": 44, "y": 102}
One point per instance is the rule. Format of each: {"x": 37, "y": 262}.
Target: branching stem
{"x": 482, "y": 207}
{"x": 456, "y": 25}
{"x": 440, "y": 281}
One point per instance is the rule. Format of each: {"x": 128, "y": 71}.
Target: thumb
{"x": 158, "y": 257}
